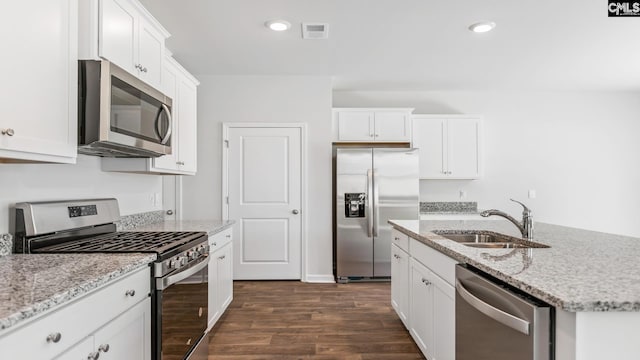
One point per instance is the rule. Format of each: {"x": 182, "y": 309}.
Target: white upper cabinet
{"x": 372, "y": 125}
{"x": 123, "y": 32}
{"x": 39, "y": 84}
{"x": 181, "y": 87}
{"x": 450, "y": 146}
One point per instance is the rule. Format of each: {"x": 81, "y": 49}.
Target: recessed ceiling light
{"x": 278, "y": 25}
{"x": 482, "y": 27}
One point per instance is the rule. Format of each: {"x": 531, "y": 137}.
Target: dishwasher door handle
{"x": 496, "y": 314}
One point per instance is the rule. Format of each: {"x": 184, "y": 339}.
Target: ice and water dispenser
{"x": 354, "y": 205}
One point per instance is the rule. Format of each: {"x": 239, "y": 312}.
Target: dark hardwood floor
{"x": 294, "y": 320}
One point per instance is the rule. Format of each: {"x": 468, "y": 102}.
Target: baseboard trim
{"x": 320, "y": 279}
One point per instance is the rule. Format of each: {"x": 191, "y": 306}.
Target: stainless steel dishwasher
{"x": 494, "y": 322}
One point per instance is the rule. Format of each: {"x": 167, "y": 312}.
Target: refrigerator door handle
{"x": 376, "y": 201}
{"x": 369, "y": 203}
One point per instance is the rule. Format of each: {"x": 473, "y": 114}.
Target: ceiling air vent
{"x": 315, "y": 30}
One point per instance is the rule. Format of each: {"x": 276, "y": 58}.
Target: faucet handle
{"x": 525, "y": 208}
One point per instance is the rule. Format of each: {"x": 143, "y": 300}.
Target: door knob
{"x": 295, "y": 212}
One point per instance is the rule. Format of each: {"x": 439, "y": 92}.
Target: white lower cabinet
{"x": 432, "y": 309}
{"x": 400, "y": 282}
{"x": 113, "y": 322}
{"x": 220, "y": 274}
{"x": 429, "y": 310}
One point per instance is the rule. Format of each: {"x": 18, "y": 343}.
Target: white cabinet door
{"x": 422, "y": 308}
{"x": 444, "y": 319}
{"x": 213, "y": 310}
{"x": 400, "y": 283}
{"x": 170, "y": 76}
{"x": 38, "y": 94}
{"x": 463, "y": 148}
{"x": 391, "y": 126}
{"x": 150, "y": 54}
{"x": 355, "y": 126}
{"x": 117, "y": 40}
{"x": 449, "y": 146}
{"x": 187, "y": 116}
{"x": 428, "y": 135}
{"x": 224, "y": 290}
{"x": 128, "y": 336}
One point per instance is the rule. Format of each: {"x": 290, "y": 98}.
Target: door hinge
{"x": 226, "y": 143}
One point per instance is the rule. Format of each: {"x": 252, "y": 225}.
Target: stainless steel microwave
{"x": 119, "y": 115}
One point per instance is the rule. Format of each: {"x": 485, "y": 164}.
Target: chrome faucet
{"x": 526, "y": 227}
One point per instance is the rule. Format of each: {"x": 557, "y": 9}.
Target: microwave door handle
{"x": 167, "y": 135}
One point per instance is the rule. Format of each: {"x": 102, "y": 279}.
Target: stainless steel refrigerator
{"x": 372, "y": 185}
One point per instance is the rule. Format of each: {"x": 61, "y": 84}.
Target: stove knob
{"x": 172, "y": 264}
{"x": 184, "y": 260}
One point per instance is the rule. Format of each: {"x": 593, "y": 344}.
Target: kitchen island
{"x": 592, "y": 279}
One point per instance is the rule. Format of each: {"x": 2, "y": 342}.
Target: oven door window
{"x": 136, "y": 114}
{"x": 184, "y": 315}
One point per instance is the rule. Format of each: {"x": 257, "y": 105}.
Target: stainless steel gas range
{"x": 179, "y": 282}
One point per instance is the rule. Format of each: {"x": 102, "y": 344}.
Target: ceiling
{"x": 411, "y": 44}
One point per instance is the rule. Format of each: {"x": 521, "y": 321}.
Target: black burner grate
{"x": 156, "y": 242}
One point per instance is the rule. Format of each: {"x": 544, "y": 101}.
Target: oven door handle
{"x": 164, "y": 283}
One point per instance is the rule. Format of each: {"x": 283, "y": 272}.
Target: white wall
{"x": 35, "y": 182}
{"x": 266, "y": 99}
{"x": 579, "y": 151}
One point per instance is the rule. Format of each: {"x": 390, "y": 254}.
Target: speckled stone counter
{"x": 581, "y": 271}
{"x": 33, "y": 284}
{"x": 209, "y": 226}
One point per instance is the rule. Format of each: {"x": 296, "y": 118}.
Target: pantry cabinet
{"x": 450, "y": 146}
{"x": 39, "y": 84}
{"x": 372, "y": 125}
{"x": 220, "y": 274}
{"x": 181, "y": 87}
{"x": 123, "y": 32}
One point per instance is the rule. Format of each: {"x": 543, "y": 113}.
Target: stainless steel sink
{"x": 488, "y": 239}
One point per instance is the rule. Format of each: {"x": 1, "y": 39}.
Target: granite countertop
{"x": 32, "y": 284}
{"x": 581, "y": 271}
{"x": 211, "y": 227}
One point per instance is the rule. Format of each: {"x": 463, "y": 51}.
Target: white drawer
{"x": 218, "y": 240}
{"x": 436, "y": 261}
{"x": 76, "y": 320}
{"x": 400, "y": 239}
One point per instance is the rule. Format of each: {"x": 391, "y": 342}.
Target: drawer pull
{"x": 93, "y": 356}
{"x": 54, "y": 337}
{"x": 228, "y": 235}
{"x": 222, "y": 257}
{"x": 131, "y": 293}
{"x": 396, "y": 238}
{"x": 426, "y": 282}
{"x": 103, "y": 348}
{"x": 215, "y": 244}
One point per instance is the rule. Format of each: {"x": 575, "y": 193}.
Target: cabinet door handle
{"x": 397, "y": 256}
{"x": 93, "y": 356}
{"x": 54, "y": 337}
{"x": 228, "y": 235}
{"x": 396, "y": 238}
{"x": 222, "y": 257}
{"x": 215, "y": 244}
{"x": 8, "y": 132}
{"x": 426, "y": 282}
{"x": 131, "y": 293}
{"x": 103, "y": 348}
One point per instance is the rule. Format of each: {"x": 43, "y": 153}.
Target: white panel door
{"x": 264, "y": 187}
{"x": 428, "y": 135}
{"x": 128, "y": 337}
{"x": 150, "y": 54}
{"x": 421, "y": 307}
{"x": 187, "y": 128}
{"x": 463, "y": 146}
{"x": 400, "y": 283}
{"x": 391, "y": 126}
{"x": 355, "y": 126}
{"x": 117, "y": 34}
